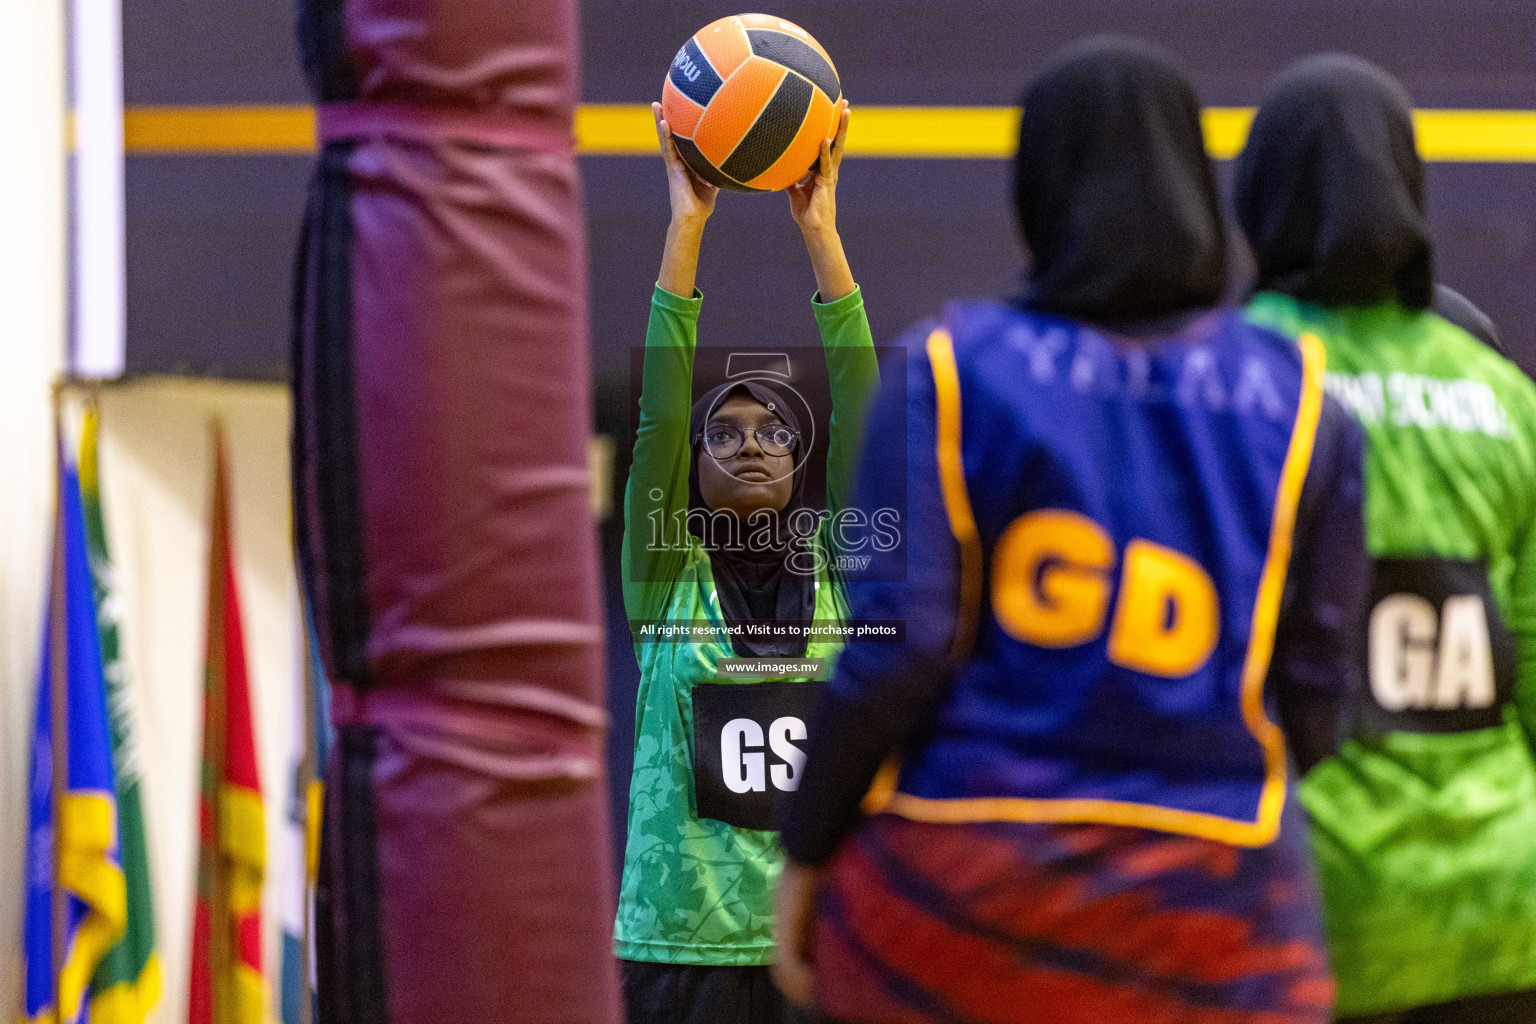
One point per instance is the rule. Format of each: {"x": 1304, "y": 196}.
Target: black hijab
{"x": 754, "y": 584}
{"x": 1113, "y": 190}
{"x": 1330, "y": 189}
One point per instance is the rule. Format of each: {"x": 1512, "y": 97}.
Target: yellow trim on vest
{"x": 962, "y": 524}
{"x": 883, "y": 789}
{"x": 1266, "y": 611}
{"x": 957, "y": 501}
{"x": 1266, "y": 616}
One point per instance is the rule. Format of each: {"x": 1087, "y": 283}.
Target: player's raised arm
{"x": 658, "y": 479}
{"x": 693, "y": 200}
{"x": 852, "y": 368}
{"x": 813, "y": 204}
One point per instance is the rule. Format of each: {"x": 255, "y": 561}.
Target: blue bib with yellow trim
{"x": 1124, "y": 510}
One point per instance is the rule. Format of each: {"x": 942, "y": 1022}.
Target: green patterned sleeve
{"x": 656, "y": 496}
{"x": 1521, "y": 403}
{"x": 853, "y": 373}
{"x": 1522, "y": 608}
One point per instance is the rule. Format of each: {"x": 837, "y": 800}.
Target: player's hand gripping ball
{"x": 749, "y": 100}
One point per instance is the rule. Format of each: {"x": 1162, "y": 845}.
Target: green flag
{"x": 126, "y": 985}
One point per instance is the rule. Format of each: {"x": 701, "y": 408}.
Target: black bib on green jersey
{"x": 749, "y": 742}
{"x": 1438, "y": 656}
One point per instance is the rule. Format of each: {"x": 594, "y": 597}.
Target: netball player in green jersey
{"x": 1424, "y": 825}
{"x": 716, "y": 535}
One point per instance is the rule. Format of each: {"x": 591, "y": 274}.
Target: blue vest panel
{"x": 1124, "y": 511}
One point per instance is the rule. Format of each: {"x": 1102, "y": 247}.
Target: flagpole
{"x": 58, "y": 697}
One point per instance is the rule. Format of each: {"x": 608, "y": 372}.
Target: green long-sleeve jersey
{"x": 696, "y": 890}
{"x": 1424, "y": 826}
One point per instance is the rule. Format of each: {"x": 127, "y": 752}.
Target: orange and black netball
{"x": 750, "y": 99}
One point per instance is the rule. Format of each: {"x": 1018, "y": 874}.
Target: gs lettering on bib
{"x": 1438, "y": 656}
{"x": 749, "y": 742}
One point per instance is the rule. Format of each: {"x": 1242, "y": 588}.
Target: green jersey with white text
{"x": 697, "y": 890}
{"x": 1424, "y": 825}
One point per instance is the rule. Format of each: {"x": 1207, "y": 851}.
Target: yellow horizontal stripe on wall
{"x": 622, "y": 129}
{"x": 1498, "y": 136}
{"x": 604, "y": 129}
{"x": 253, "y": 129}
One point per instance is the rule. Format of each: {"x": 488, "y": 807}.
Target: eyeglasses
{"x": 723, "y": 441}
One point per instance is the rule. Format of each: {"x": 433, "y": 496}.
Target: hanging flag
{"x": 292, "y": 879}
{"x": 311, "y": 747}
{"x": 226, "y": 983}
{"x": 76, "y": 899}
{"x": 126, "y": 985}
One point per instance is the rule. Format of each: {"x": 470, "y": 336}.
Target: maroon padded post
{"x": 442, "y": 513}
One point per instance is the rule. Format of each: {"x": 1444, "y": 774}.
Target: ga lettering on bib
{"x": 1439, "y": 657}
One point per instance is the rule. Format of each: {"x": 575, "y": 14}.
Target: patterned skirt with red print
{"x": 996, "y": 923}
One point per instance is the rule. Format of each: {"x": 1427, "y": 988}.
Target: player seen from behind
{"x": 1134, "y": 547}
{"x": 1424, "y": 826}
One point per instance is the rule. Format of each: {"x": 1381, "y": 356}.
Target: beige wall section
{"x": 156, "y": 478}
{"x": 156, "y": 491}
{"x": 31, "y": 351}
{"x": 156, "y": 470}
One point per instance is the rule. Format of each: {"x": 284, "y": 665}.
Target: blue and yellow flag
{"x": 72, "y": 846}
{"x": 126, "y": 985}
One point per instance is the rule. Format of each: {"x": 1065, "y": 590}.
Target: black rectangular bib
{"x": 1438, "y": 655}
{"x": 749, "y": 742}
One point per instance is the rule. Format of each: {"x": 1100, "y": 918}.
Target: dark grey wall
{"x": 1463, "y": 53}
{"x": 210, "y": 51}
{"x": 210, "y": 247}
{"x": 210, "y": 238}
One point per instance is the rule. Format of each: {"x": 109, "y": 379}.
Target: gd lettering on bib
{"x": 1438, "y": 657}
{"x": 749, "y": 742}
